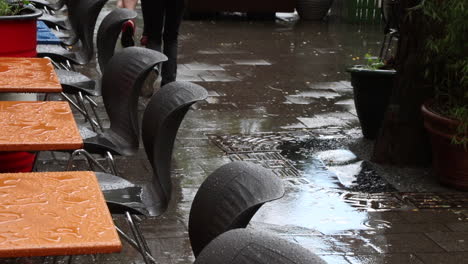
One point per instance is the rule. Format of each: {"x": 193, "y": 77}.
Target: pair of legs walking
{"x": 162, "y": 19}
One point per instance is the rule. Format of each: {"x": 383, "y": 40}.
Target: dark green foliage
{"x": 446, "y": 60}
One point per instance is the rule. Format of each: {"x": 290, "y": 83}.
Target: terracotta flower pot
{"x": 449, "y": 161}
{"x": 313, "y": 9}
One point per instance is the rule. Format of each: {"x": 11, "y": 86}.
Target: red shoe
{"x": 128, "y": 31}
{"x": 144, "y": 40}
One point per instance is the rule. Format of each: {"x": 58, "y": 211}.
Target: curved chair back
{"x": 54, "y": 6}
{"x": 122, "y": 81}
{"x": 83, "y": 15}
{"x": 228, "y": 199}
{"x": 245, "y": 246}
{"x": 161, "y": 120}
{"x": 108, "y": 33}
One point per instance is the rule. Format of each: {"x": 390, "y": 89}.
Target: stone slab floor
{"x": 274, "y": 86}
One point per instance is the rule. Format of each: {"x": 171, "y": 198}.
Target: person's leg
{"x": 128, "y": 28}
{"x": 173, "y": 19}
{"x": 153, "y": 19}
{"x": 130, "y": 4}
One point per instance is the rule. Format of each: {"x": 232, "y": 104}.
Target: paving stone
{"x": 385, "y": 259}
{"x": 404, "y": 243}
{"x": 450, "y": 241}
{"x": 334, "y": 259}
{"x": 432, "y": 216}
{"x": 458, "y": 226}
{"x": 404, "y": 228}
{"x": 444, "y": 258}
{"x": 324, "y": 245}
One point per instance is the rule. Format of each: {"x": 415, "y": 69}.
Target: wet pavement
{"x": 280, "y": 97}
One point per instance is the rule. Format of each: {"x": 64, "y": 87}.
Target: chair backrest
{"x": 247, "y": 246}
{"x": 54, "y": 6}
{"x": 122, "y": 81}
{"x": 161, "y": 120}
{"x": 83, "y": 15}
{"x": 228, "y": 199}
{"x": 108, "y": 33}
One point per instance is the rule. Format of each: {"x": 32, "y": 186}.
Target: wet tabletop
{"x": 54, "y": 213}
{"x": 28, "y": 75}
{"x": 35, "y": 126}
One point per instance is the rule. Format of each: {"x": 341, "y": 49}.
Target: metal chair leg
{"x": 88, "y": 156}
{"x": 93, "y": 108}
{"x": 138, "y": 237}
{"x": 134, "y": 244}
{"x": 77, "y": 107}
{"x": 81, "y": 102}
{"x": 111, "y": 161}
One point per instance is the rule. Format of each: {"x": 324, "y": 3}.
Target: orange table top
{"x": 54, "y": 213}
{"x": 28, "y": 75}
{"x": 35, "y": 126}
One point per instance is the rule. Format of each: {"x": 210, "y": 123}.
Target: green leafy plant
{"x": 12, "y": 8}
{"x": 373, "y": 62}
{"x": 446, "y": 60}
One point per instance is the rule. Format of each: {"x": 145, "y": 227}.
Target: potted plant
{"x": 446, "y": 115}
{"x": 372, "y": 87}
{"x": 313, "y": 9}
{"x": 18, "y": 29}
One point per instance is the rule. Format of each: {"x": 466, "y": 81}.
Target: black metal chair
{"x": 390, "y": 15}
{"x": 122, "y": 81}
{"x": 246, "y": 246}
{"x": 161, "y": 120}
{"x": 83, "y": 87}
{"x": 109, "y": 32}
{"x": 228, "y": 199}
{"x": 48, "y": 5}
{"x": 83, "y": 18}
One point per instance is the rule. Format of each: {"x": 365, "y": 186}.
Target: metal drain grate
{"x": 264, "y": 149}
{"x": 281, "y": 166}
{"x": 375, "y": 201}
{"x": 437, "y": 200}
{"x": 264, "y": 142}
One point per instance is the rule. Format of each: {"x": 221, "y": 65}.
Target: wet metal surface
{"x": 33, "y": 126}
{"x": 33, "y": 75}
{"x": 54, "y": 214}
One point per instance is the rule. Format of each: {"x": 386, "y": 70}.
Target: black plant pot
{"x": 372, "y": 91}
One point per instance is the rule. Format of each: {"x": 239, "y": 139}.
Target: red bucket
{"x": 19, "y": 34}
{"x": 19, "y": 39}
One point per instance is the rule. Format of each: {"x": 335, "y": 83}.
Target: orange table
{"x": 36, "y": 126}
{"x": 28, "y": 75}
{"x": 54, "y": 213}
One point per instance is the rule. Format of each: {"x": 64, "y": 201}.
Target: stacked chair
{"x": 228, "y": 198}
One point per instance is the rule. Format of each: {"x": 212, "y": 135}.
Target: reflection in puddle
{"x": 317, "y": 201}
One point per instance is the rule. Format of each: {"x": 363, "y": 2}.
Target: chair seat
{"x": 110, "y": 141}
{"x": 43, "y": 3}
{"x": 124, "y": 196}
{"x": 58, "y": 53}
{"x": 74, "y": 82}
{"x": 54, "y": 213}
{"x": 52, "y": 21}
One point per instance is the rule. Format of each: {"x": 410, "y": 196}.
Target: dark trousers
{"x": 162, "y": 20}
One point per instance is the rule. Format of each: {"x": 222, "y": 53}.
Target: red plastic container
{"x": 19, "y": 34}
{"x": 18, "y": 39}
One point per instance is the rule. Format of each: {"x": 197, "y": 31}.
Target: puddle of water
{"x": 318, "y": 200}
